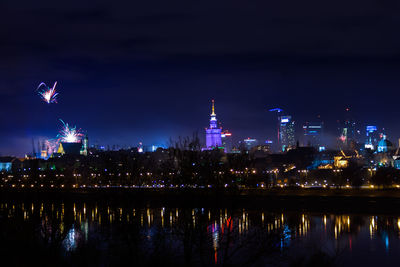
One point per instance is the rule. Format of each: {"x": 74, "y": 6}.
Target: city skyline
{"x": 326, "y": 139}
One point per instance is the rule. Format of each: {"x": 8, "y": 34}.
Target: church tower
{"x": 85, "y": 146}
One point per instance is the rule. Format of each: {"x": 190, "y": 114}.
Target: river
{"x": 102, "y": 233}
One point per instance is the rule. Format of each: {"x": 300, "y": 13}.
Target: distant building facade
{"x": 6, "y": 163}
{"x": 384, "y": 145}
{"x": 69, "y": 148}
{"x": 226, "y": 137}
{"x": 313, "y": 134}
{"x": 249, "y": 143}
{"x": 349, "y": 135}
{"x": 286, "y": 132}
{"x": 372, "y": 137}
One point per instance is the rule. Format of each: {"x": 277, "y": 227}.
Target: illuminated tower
{"x": 213, "y": 133}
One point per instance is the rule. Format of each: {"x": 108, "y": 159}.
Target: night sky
{"x": 147, "y": 70}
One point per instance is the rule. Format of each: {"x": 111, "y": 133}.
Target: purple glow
{"x": 213, "y": 133}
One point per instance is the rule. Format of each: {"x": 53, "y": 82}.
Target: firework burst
{"x": 69, "y": 134}
{"x": 48, "y": 95}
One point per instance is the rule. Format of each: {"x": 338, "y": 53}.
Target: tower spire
{"x": 212, "y": 109}
{"x": 213, "y": 133}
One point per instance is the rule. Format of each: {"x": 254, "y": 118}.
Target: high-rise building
{"x": 286, "y": 132}
{"x": 384, "y": 145}
{"x": 226, "y": 138}
{"x": 278, "y": 111}
{"x": 249, "y": 143}
{"x": 372, "y": 137}
{"x": 313, "y": 134}
{"x": 269, "y": 144}
{"x": 213, "y": 133}
{"x": 348, "y": 134}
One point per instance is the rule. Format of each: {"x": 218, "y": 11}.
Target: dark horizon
{"x": 132, "y": 72}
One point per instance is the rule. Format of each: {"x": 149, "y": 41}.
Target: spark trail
{"x": 69, "y": 134}
{"x": 48, "y": 95}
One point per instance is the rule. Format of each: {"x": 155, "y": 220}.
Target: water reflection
{"x": 201, "y": 235}
{"x": 70, "y": 241}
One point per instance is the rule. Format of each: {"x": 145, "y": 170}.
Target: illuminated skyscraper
{"x": 278, "y": 110}
{"x": 213, "y": 133}
{"x": 286, "y": 132}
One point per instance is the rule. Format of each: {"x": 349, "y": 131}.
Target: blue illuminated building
{"x": 152, "y": 148}
{"x": 213, "y": 133}
{"x": 6, "y": 163}
{"x": 396, "y": 162}
{"x": 5, "y": 166}
{"x": 384, "y": 145}
{"x": 372, "y": 137}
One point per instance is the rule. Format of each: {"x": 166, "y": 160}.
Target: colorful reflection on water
{"x": 200, "y": 236}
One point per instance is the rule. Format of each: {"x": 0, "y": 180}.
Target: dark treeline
{"x": 128, "y": 167}
{"x": 186, "y": 165}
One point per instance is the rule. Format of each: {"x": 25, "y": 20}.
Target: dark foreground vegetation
{"x": 189, "y": 167}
